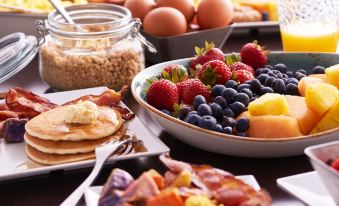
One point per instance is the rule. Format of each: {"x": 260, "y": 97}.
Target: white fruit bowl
{"x": 230, "y": 144}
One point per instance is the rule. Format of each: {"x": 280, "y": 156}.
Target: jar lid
{"x": 16, "y": 52}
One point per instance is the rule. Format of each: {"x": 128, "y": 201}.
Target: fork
{"x": 101, "y": 154}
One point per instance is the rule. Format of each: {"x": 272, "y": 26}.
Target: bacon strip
{"x": 107, "y": 98}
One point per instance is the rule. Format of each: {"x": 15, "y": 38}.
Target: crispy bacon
{"x": 27, "y": 104}
{"x": 125, "y": 113}
{"x": 107, "y": 98}
{"x": 8, "y": 114}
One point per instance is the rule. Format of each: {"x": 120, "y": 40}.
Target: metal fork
{"x": 101, "y": 153}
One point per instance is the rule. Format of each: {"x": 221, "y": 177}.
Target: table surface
{"x": 53, "y": 188}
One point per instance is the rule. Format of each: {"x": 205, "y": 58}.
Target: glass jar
{"x": 103, "y": 47}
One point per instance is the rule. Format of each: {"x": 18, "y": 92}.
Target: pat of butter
{"x": 84, "y": 112}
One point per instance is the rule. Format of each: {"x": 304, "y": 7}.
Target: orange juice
{"x": 312, "y": 37}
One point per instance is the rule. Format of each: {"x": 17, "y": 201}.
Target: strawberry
{"x": 181, "y": 87}
{"x": 174, "y": 73}
{"x": 241, "y": 66}
{"x": 206, "y": 54}
{"x": 335, "y": 164}
{"x": 214, "y": 72}
{"x": 242, "y": 76}
{"x": 193, "y": 88}
{"x": 162, "y": 94}
{"x": 254, "y": 55}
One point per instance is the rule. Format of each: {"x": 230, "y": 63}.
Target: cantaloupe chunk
{"x": 329, "y": 121}
{"x": 272, "y": 126}
{"x": 320, "y": 97}
{"x": 332, "y": 74}
{"x": 309, "y": 80}
{"x": 269, "y": 104}
{"x": 307, "y": 119}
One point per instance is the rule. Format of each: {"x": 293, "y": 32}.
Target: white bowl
{"x": 318, "y": 155}
{"x": 230, "y": 144}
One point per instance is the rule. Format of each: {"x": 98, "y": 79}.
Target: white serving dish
{"x": 307, "y": 187}
{"x": 14, "y": 163}
{"x": 230, "y": 144}
{"x": 92, "y": 194}
{"x": 318, "y": 156}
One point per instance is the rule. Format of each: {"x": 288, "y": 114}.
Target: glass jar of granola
{"x": 102, "y": 48}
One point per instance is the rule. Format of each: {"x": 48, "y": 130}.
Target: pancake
{"x": 71, "y": 147}
{"x": 51, "y": 125}
{"x": 54, "y": 159}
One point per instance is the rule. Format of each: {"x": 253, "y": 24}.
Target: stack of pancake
{"x": 50, "y": 140}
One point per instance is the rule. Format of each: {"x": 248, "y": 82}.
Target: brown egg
{"x": 139, "y": 8}
{"x": 165, "y": 21}
{"x": 214, "y": 13}
{"x": 185, "y": 6}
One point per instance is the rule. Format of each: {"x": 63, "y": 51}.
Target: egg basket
{"x": 180, "y": 46}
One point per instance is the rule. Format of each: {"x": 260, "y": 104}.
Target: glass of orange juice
{"x": 308, "y": 25}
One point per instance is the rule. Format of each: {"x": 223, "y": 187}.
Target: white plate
{"x": 14, "y": 162}
{"x": 230, "y": 144}
{"x": 308, "y": 188}
{"x": 92, "y": 194}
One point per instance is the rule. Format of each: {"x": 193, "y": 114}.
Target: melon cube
{"x": 309, "y": 80}
{"x": 269, "y": 104}
{"x": 320, "y": 97}
{"x": 332, "y": 75}
{"x": 272, "y": 126}
{"x": 297, "y": 108}
{"x": 330, "y": 120}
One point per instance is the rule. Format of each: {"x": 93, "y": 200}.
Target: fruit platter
{"x": 251, "y": 104}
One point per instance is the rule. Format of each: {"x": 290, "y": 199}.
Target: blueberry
{"x": 184, "y": 110}
{"x": 278, "y": 86}
{"x": 258, "y": 71}
{"x": 231, "y": 84}
{"x": 280, "y": 67}
{"x": 265, "y": 71}
{"x": 229, "y": 94}
{"x": 217, "y": 111}
{"x": 242, "y": 124}
{"x": 285, "y": 76}
{"x": 290, "y": 73}
{"x": 293, "y": 81}
{"x": 204, "y": 110}
{"x": 228, "y": 130}
{"x": 255, "y": 85}
{"x": 192, "y": 112}
{"x": 228, "y": 122}
{"x": 207, "y": 122}
{"x": 237, "y": 108}
{"x": 286, "y": 80}
{"x": 303, "y": 71}
{"x": 166, "y": 112}
{"x": 221, "y": 101}
{"x": 269, "y": 66}
{"x": 262, "y": 78}
{"x": 217, "y": 90}
{"x": 243, "y": 86}
{"x": 228, "y": 113}
{"x": 241, "y": 134}
{"x": 247, "y": 92}
{"x": 318, "y": 70}
{"x": 300, "y": 76}
{"x": 292, "y": 89}
{"x": 265, "y": 90}
{"x": 269, "y": 81}
{"x": 278, "y": 74}
{"x": 271, "y": 74}
{"x": 252, "y": 99}
{"x": 218, "y": 128}
{"x": 198, "y": 100}
{"x": 248, "y": 82}
{"x": 242, "y": 98}
{"x": 193, "y": 119}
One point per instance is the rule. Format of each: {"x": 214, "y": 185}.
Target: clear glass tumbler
{"x": 308, "y": 25}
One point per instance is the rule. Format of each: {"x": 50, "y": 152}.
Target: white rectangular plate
{"x": 308, "y": 188}
{"x": 14, "y": 163}
{"x": 92, "y": 194}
